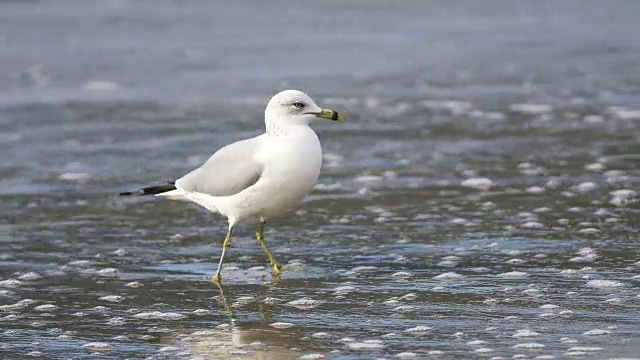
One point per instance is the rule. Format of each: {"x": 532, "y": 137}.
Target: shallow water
{"x": 481, "y": 200}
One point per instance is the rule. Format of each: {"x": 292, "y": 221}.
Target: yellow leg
{"x": 225, "y": 245}
{"x": 277, "y": 268}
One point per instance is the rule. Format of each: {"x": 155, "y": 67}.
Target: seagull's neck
{"x": 276, "y": 130}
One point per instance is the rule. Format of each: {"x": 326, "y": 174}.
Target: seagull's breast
{"x": 294, "y": 161}
{"x": 292, "y": 166}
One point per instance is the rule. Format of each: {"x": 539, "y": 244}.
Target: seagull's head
{"x": 293, "y": 107}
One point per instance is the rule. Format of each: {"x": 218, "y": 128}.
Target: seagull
{"x": 260, "y": 177}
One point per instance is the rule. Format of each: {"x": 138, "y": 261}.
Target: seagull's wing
{"x": 227, "y": 172}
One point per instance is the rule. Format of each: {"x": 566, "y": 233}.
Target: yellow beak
{"x": 330, "y": 114}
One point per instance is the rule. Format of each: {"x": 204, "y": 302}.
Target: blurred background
{"x": 481, "y": 200}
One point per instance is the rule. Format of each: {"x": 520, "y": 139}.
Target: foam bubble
{"x": 321, "y": 335}
{"x": 342, "y": 290}
{"x": 101, "y": 86}
{"x": 366, "y": 345}
{"x": 75, "y": 176}
{"x": 409, "y": 296}
{"x": 158, "y": 315}
{"x": 10, "y": 283}
{"x": 535, "y": 190}
{"x": 524, "y": 333}
{"x": 107, "y": 271}
{"x": 282, "y": 325}
{"x": 567, "y": 340}
{"x": 454, "y": 107}
{"x": 531, "y": 109}
{"x": 111, "y": 298}
{"x": 18, "y": 305}
{"x": 605, "y": 284}
{"x": 575, "y": 353}
{"x": 29, "y": 276}
{"x": 597, "y": 167}
{"x": 368, "y": 178}
{"x": 419, "y": 329}
{"x": 593, "y": 119}
{"x": 45, "y": 307}
{"x": 532, "y": 225}
{"x": 167, "y": 349}
{"x": 452, "y": 258}
{"x": 406, "y": 355}
{"x": 448, "y": 276}
{"x": 119, "y": 252}
{"x": 97, "y": 346}
{"x": 405, "y": 308}
{"x": 476, "y": 342}
{"x": 531, "y": 345}
{"x": 116, "y": 321}
{"x": 305, "y": 303}
{"x": 622, "y": 197}
{"x": 589, "y": 231}
{"x": 270, "y": 300}
{"x": 513, "y": 275}
{"x": 204, "y": 333}
{"x": 596, "y": 332}
{"x": 393, "y": 301}
{"x": 402, "y": 275}
{"x": 624, "y": 113}
{"x": 312, "y": 357}
{"x": 346, "y": 340}
{"x": 201, "y": 312}
{"x": 549, "y": 306}
{"x": 586, "y": 348}
{"x": 481, "y": 183}
{"x": 585, "y": 187}
{"x": 447, "y": 263}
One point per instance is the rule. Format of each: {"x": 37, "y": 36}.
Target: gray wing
{"x": 227, "y": 172}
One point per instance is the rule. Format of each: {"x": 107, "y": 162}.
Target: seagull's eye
{"x": 298, "y": 105}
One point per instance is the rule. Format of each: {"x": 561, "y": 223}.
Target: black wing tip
{"x": 152, "y": 190}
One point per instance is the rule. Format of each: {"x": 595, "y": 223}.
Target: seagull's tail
{"x": 170, "y": 191}
{"x": 152, "y": 190}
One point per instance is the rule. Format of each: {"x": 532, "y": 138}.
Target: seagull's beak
{"x": 329, "y": 114}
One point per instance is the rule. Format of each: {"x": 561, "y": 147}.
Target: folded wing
{"x": 230, "y": 170}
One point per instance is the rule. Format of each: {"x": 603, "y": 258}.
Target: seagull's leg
{"x": 277, "y": 268}
{"x": 225, "y": 245}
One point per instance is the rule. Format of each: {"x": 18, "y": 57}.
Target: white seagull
{"x": 261, "y": 177}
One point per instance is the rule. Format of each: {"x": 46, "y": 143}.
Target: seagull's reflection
{"x": 238, "y": 343}
{"x": 246, "y": 340}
